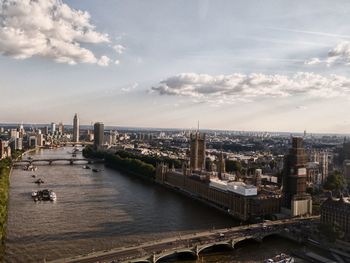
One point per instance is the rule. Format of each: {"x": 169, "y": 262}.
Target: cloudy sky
{"x": 235, "y": 65}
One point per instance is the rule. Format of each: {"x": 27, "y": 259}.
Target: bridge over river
{"x": 192, "y": 245}
{"x": 50, "y": 161}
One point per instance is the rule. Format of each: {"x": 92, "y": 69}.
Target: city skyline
{"x": 232, "y": 66}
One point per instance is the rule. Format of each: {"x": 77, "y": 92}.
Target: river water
{"x": 98, "y": 211}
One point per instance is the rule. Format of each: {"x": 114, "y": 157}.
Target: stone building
{"x": 337, "y": 211}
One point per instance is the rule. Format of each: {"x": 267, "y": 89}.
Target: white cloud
{"x": 239, "y": 87}
{"x": 301, "y": 107}
{"x": 104, "y": 61}
{"x": 313, "y": 61}
{"x": 130, "y": 88}
{"x": 47, "y": 28}
{"x": 119, "y": 49}
{"x": 117, "y": 62}
{"x": 339, "y": 55}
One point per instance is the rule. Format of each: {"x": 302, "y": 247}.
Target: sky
{"x": 269, "y": 65}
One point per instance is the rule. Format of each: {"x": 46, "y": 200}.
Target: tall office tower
{"x": 197, "y": 151}
{"x": 75, "y": 128}
{"x": 46, "y": 130}
{"x": 61, "y": 128}
{"x": 53, "y": 127}
{"x": 98, "y": 134}
{"x": 21, "y": 131}
{"x": 294, "y": 180}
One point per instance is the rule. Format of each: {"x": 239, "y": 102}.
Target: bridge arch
{"x": 247, "y": 239}
{"x": 224, "y": 245}
{"x": 272, "y": 234}
{"x": 188, "y": 253}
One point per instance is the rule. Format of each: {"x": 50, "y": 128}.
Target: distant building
{"x": 111, "y": 138}
{"x": 321, "y": 157}
{"x": 14, "y": 133}
{"x": 75, "y": 128}
{"x": 16, "y": 144}
{"x": 53, "y": 127}
{"x": 32, "y": 141}
{"x": 337, "y": 212}
{"x": 296, "y": 201}
{"x": 60, "y": 128}
{"x": 197, "y": 152}
{"x": 98, "y": 134}
{"x": 40, "y": 139}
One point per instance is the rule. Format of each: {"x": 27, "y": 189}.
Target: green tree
{"x": 233, "y": 166}
{"x": 335, "y": 182}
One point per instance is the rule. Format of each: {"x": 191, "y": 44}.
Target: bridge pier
{"x": 71, "y": 162}
{"x": 50, "y": 162}
{"x": 232, "y": 243}
{"x": 196, "y": 250}
{"x": 153, "y": 258}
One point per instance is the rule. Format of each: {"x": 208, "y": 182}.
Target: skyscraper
{"x": 75, "y": 128}
{"x": 294, "y": 180}
{"x": 197, "y": 151}
{"x": 53, "y": 127}
{"x": 98, "y": 134}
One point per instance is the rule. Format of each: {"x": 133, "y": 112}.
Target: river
{"x": 99, "y": 211}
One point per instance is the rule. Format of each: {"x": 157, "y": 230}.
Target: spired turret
{"x": 197, "y": 151}
{"x": 161, "y": 171}
{"x": 221, "y": 165}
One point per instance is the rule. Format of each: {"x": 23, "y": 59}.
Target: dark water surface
{"x": 94, "y": 211}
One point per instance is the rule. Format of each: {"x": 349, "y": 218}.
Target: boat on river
{"x": 39, "y": 181}
{"x": 96, "y": 170}
{"x": 86, "y": 167}
{"x": 281, "y": 258}
{"x": 44, "y": 195}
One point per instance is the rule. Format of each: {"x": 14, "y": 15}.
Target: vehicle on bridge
{"x": 281, "y": 258}
{"x": 30, "y": 167}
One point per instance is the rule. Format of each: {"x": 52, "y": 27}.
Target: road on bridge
{"x": 127, "y": 254}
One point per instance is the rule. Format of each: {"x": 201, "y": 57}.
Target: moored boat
{"x": 44, "y": 195}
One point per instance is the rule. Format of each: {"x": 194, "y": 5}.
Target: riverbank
{"x": 5, "y": 170}
{"x": 131, "y": 166}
